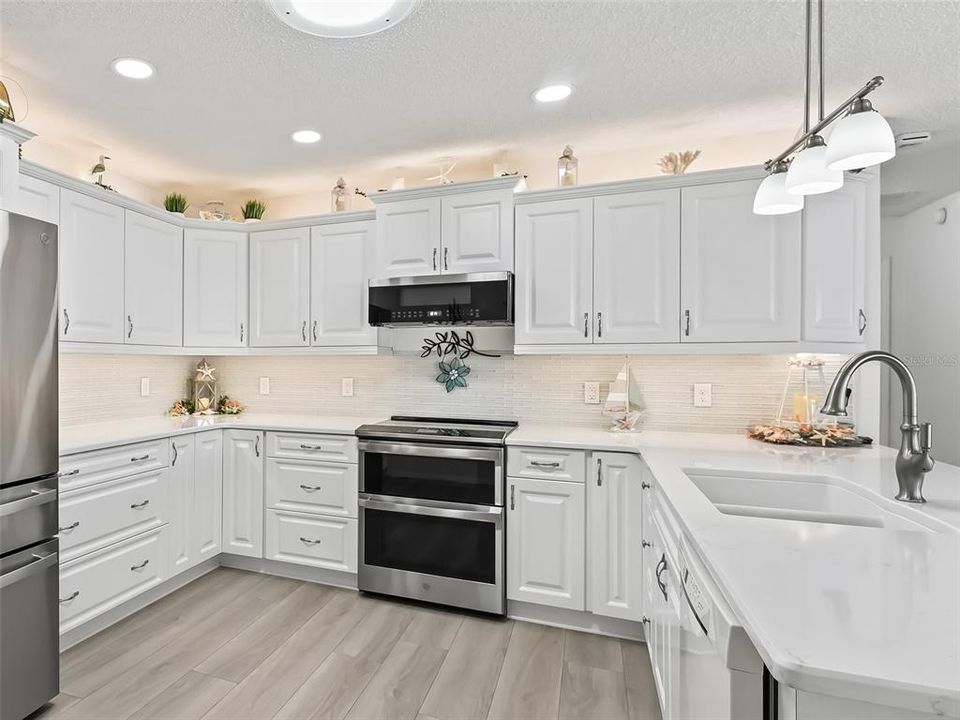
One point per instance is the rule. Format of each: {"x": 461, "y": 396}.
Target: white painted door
{"x": 614, "y": 537}
{"x": 208, "y": 495}
{"x": 554, "y": 281}
{"x": 39, "y": 199}
{"x": 91, "y": 270}
{"x": 740, "y": 272}
{"x": 477, "y": 232}
{"x": 153, "y": 281}
{"x": 834, "y": 264}
{"x": 280, "y": 288}
{"x": 341, "y": 259}
{"x": 545, "y": 542}
{"x": 636, "y": 267}
{"x": 408, "y": 238}
{"x": 214, "y": 288}
{"x": 182, "y": 483}
{"x": 243, "y": 492}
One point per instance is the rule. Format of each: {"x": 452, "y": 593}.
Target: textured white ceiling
{"x": 454, "y": 79}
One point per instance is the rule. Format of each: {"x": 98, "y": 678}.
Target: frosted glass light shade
{"x": 860, "y": 140}
{"x": 809, "y": 175}
{"x": 772, "y": 197}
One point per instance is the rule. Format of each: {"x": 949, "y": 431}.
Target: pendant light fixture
{"x": 772, "y": 197}
{"x": 861, "y": 139}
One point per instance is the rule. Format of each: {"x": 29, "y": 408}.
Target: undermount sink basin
{"x": 808, "y": 498}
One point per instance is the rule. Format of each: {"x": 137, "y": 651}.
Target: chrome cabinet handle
{"x": 645, "y": 485}
{"x": 76, "y": 594}
{"x": 541, "y": 464}
{"x": 310, "y": 447}
{"x": 140, "y": 459}
{"x": 314, "y": 329}
{"x": 661, "y": 567}
{"x": 586, "y": 324}
{"x": 434, "y": 259}
{"x": 241, "y": 332}
{"x": 311, "y": 488}
{"x": 513, "y": 489}
{"x": 308, "y": 541}
{"x": 176, "y": 455}
{"x": 445, "y": 251}
{"x": 644, "y": 543}
{"x": 645, "y": 620}
{"x": 686, "y": 329}
{"x": 141, "y": 566}
{"x": 72, "y": 526}
{"x": 129, "y": 327}
{"x": 599, "y": 324}
{"x": 863, "y": 321}
{"x": 137, "y": 506}
{"x": 66, "y": 322}
{"x": 75, "y": 471}
{"x": 256, "y": 445}
{"x": 599, "y": 472}
{"x": 303, "y": 331}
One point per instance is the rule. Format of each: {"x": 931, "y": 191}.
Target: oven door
{"x": 443, "y": 473}
{"x": 425, "y": 550}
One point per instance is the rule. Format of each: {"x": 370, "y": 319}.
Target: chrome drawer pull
{"x": 311, "y": 488}
{"x": 644, "y": 543}
{"x": 176, "y": 454}
{"x": 76, "y": 594}
{"x": 537, "y": 463}
{"x": 311, "y": 447}
{"x": 75, "y": 471}
{"x": 645, "y": 620}
{"x": 137, "y": 506}
{"x": 308, "y": 541}
{"x": 140, "y": 459}
{"x": 645, "y": 485}
{"x": 73, "y": 526}
{"x": 141, "y": 566}
{"x": 66, "y": 322}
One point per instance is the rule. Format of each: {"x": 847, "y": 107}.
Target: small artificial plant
{"x": 253, "y": 210}
{"x": 175, "y": 203}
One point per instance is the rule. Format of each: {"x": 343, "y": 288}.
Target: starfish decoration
{"x": 205, "y": 371}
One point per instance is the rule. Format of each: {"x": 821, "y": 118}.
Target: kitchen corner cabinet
{"x": 91, "y": 269}
{"x": 614, "y": 536}
{"x": 153, "y": 281}
{"x": 181, "y": 480}
{"x": 545, "y": 542}
{"x": 279, "y": 288}
{"x": 39, "y": 199}
{"x": 408, "y": 238}
{"x": 341, "y": 261}
{"x": 208, "y": 495}
{"x": 740, "y": 272}
{"x": 214, "y": 288}
{"x": 834, "y": 264}
{"x": 477, "y": 232}
{"x": 243, "y": 492}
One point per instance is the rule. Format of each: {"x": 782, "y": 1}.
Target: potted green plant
{"x": 176, "y": 203}
{"x": 253, "y": 211}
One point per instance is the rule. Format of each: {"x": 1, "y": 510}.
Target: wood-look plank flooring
{"x": 235, "y": 645}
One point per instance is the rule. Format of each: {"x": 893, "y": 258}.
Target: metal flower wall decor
{"x": 453, "y": 372}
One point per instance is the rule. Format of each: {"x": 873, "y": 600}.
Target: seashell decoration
{"x": 677, "y": 163}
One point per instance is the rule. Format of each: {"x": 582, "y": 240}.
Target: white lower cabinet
{"x": 307, "y": 539}
{"x": 208, "y": 495}
{"x": 545, "y": 542}
{"x": 327, "y": 488}
{"x": 182, "y": 483}
{"x": 243, "y": 492}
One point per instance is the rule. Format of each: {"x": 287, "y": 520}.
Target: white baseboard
{"x": 290, "y": 570}
{"x": 574, "y": 620}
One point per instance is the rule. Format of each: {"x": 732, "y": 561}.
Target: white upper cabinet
{"x": 39, "y": 199}
{"x": 214, "y": 288}
{"x": 91, "y": 269}
{"x": 341, "y": 258}
{"x": 477, "y": 232}
{"x": 243, "y": 492}
{"x": 280, "y": 288}
{"x": 636, "y": 273}
{"x": 554, "y": 282}
{"x": 740, "y": 272}
{"x": 153, "y": 281}
{"x": 408, "y": 238}
{"x": 834, "y": 264}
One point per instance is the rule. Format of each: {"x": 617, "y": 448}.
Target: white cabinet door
{"x": 740, "y": 272}
{"x": 554, "y": 272}
{"x": 208, "y": 495}
{"x": 279, "y": 288}
{"x": 477, "y": 232}
{"x": 39, "y": 199}
{"x": 153, "y": 281}
{"x": 545, "y": 542}
{"x": 214, "y": 288}
{"x": 243, "y": 492}
{"x": 636, "y": 267}
{"x": 341, "y": 259}
{"x": 408, "y": 238}
{"x": 614, "y": 537}
{"x": 834, "y": 264}
{"x": 91, "y": 269}
{"x": 181, "y": 479}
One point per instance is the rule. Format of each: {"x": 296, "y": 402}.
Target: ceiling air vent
{"x": 909, "y": 139}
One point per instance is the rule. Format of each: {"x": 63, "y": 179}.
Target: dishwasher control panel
{"x": 697, "y": 599}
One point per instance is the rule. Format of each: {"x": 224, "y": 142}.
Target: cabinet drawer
{"x": 546, "y": 463}
{"x": 100, "y": 581}
{"x": 106, "y": 513}
{"x": 323, "y": 542}
{"x": 314, "y": 487}
{"x": 97, "y": 466}
{"x": 302, "y": 446}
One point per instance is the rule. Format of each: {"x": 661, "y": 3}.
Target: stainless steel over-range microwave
{"x": 470, "y": 299}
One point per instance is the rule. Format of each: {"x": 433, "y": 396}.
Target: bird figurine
{"x": 444, "y": 176}
{"x": 99, "y": 169}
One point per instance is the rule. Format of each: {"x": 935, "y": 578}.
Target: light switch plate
{"x": 346, "y": 387}
{"x": 264, "y": 386}
{"x": 145, "y": 387}
{"x": 591, "y": 393}
{"x": 702, "y": 395}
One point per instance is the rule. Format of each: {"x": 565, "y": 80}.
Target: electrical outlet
{"x": 346, "y": 387}
{"x": 145, "y": 387}
{"x": 591, "y": 393}
{"x": 702, "y": 395}
{"x": 264, "y": 386}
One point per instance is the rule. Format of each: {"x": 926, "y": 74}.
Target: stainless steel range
{"x": 431, "y": 510}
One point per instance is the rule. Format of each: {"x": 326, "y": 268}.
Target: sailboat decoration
{"x": 623, "y": 404}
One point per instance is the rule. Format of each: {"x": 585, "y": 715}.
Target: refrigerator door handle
{"x": 39, "y": 562}
{"x": 36, "y": 497}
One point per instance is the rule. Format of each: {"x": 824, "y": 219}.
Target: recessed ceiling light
{"x": 552, "y": 93}
{"x": 132, "y": 68}
{"x": 305, "y": 136}
{"x": 342, "y": 18}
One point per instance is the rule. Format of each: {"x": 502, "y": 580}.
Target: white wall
{"x": 922, "y": 318}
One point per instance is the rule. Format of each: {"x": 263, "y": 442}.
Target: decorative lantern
{"x": 567, "y": 168}
{"x": 205, "y": 390}
{"x": 339, "y": 197}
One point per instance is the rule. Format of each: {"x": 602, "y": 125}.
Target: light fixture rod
{"x": 807, "y": 71}
{"x": 820, "y": 58}
{"x": 868, "y": 88}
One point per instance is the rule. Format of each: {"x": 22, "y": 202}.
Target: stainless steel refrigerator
{"x": 29, "y": 576}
